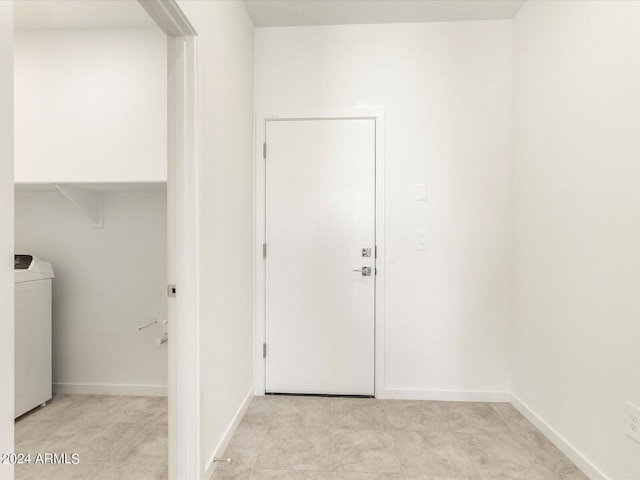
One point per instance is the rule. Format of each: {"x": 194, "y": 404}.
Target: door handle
{"x": 365, "y": 271}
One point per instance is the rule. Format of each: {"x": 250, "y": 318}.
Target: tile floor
{"x": 117, "y": 438}
{"x": 305, "y": 438}
{"x": 299, "y": 438}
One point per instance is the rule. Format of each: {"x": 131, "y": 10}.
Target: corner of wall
{"x": 581, "y": 461}
{"x": 6, "y": 235}
{"x": 219, "y": 450}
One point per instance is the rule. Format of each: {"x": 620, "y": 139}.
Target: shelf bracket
{"x": 88, "y": 201}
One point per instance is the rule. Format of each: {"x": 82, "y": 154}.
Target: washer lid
{"x": 28, "y": 268}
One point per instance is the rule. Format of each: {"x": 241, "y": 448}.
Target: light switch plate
{"x": 422, "y": 239}
{"x": 421, "y": 192}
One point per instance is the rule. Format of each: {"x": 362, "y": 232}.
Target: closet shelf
{"x": 87, "y": 197}
{"x": 88, "y": 201}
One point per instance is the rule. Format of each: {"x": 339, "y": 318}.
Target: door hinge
{"x": 264, "y": 250}
{"x": 264, "y": 350}
{"x": 375, "y": 271}
{"x": 264, "y": 150}
{"x": 171, "y": 291}
{"x": 375, "y": 252}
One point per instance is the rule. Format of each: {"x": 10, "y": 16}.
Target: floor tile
{"x": 366, "y": 476}
{"x": 432, "y": 441}
{"x": 309, "y": 475}
{"x": 359, "y": 414}
{"x": 500, "y": 455}
{"x": 475, "y": 418}
{"x": 363, "y": 451}
{"x": 437, "y": 477}
{"x": 62, "y": 408}
{"x": 139, "y": 471}
{"x": 262, "y": 410}
{"x": 242, "y": 457}
{"x": 236, "y": 474}
{"x": 98, "y": 407}
{"x": 96, "y": 442}
{"x": 56, "y": 472}
{"x": 290, "y": 475}
{"x": 513, "y": 418}
{"x": 302, "y": 412}
{"x": 116, "y": 437}
{"x": 148, "y": 446}
{"x": 139, "y": 410}
{"x": 550, "y": 462}
{"x": 415, "y": 416}
{"x": 295, "y": 449}
{"x": 433, "y": 453}
{"x": 34, "y": 437}
{"x": 249, "y": 435}
{"x": 300, "y": 438}
{"x": 504, "y": 478}
{"x": 130, "y": 471}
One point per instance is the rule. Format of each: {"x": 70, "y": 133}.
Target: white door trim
{"x": 183, "y": 205}
{"x": 376, "y": 114}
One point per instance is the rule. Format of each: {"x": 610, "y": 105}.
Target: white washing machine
{"x": 33, "y": 278}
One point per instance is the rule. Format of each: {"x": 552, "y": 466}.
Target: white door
{"x": 320, "y": 216}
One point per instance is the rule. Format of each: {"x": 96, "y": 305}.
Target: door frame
{"x": 183, "y": 211}
{"x": 183, "y": 203}
{"x": 372, "y": 113}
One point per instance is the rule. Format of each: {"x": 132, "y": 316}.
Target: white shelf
{"x": 88, "y": 197}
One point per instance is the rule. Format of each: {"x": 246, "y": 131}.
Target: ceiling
{"x": 280, "y": 13}
{"x": 79, "y": 14}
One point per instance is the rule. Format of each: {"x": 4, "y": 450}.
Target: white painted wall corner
{"x": 593, "y": 472}
{"x": 228, "y": 435}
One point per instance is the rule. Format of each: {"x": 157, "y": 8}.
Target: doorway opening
{"x": 91, "y": 360}
{"x": 178, "y": 196}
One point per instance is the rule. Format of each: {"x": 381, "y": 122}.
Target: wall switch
{"x": 632, "y": 423}
{"x": 422, "y": 239}
{"x": 421, "y": 192}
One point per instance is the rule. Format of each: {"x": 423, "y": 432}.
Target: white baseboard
{"x": 589, "y": 469}
{"x": 448, "y": 395}
{"x": 111, "y": 389}
{"x": 226, "y": 438}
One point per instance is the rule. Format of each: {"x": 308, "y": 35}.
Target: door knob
{"x": 365, "y": 271}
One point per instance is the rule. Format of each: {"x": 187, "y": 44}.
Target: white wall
{"x": 225, "y": 35}
{"x": 6, "y": 233}
{"x": 108, "y": 282}
{"x": 91, "y": 105}
{"x": 577, "y": 223}
{"x": 446, "y": 91}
